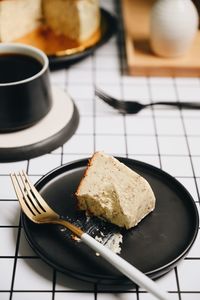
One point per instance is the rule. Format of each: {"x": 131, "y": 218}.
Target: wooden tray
{"x": 140, "y": 59}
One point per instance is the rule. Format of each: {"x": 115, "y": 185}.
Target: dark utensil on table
{"x": 133, "y": 107}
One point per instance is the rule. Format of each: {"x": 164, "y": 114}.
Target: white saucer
{"x": 46, "y": 135}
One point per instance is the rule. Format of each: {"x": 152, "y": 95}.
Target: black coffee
{"x": 17, "y": 67}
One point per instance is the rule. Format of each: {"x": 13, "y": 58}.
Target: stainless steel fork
{"x": 133, "y": 107}
{"x": 38, "y": 211}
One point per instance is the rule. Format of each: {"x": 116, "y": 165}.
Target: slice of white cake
{"x": 18, "y": 17}
{"x": 77, "y": 19}
{"x": 111, "y": 190}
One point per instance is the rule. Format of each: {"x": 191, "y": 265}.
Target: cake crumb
{"x": 113, "y": 242}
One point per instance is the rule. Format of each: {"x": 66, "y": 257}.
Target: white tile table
{"x": 167, "y": 138}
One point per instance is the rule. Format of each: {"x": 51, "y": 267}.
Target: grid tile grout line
{"x": 154, "y": 122}
{"x": 54, "y": 284}
{"x": 122, "y": 59}
{"x": 15, "y": 260}
{"x": 194, "y": 175}
{"x": 94, "y": 103}
{"x": 177, "y": 282}
{"x": 188, "y": 147}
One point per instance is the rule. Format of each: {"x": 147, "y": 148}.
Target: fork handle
{"x": 126, "y": 268}
{"x": 188, "y": 105}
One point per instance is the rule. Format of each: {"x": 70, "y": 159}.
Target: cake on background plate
{"x": 76, "y": 19}
{"x": 111, "y": 190}
{"x": 19, "y": 17}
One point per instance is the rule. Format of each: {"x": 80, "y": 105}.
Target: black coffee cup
{"x": 25, "y": 93}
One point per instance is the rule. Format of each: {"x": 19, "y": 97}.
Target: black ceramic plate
{"x": 108, "y": 28}
{"x": 154, "y": 246}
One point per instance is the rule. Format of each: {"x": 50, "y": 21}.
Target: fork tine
{"x": 27, "y": 198}
{"x": 104, "y": 96}
{"x": 30, "y": 197}
{"x": 39, "y": 200}
{"x": 107, "y": 98}
{"x": 20, "y": 195}
{"x": 23, "y": 188}
{"x": 101, "y": 93}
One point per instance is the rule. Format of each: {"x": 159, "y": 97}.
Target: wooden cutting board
{"x": 141, "y": 60}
